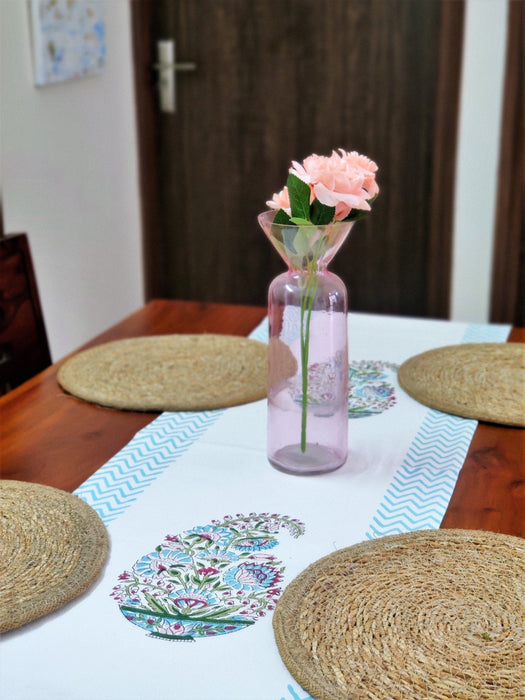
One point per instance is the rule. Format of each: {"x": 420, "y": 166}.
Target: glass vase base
{"x": 316, "y": 459}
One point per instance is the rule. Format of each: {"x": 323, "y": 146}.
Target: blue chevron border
{"x": 115, "y": 486}
{"x": 261, "y": 332}
{"x": 420, "y": 491}
{"x": 418, "y": 495}
{"x": 484, "y": 333}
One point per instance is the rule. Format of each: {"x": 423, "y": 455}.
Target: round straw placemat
{"x": 169, "y": 373}
{"x": 484, "y": 381}
{"x": 52, "y": 547}
{"x": 428, "y": 614}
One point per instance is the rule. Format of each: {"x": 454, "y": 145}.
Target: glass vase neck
{"x": 308, "y": 267}
{"x": 305, "y": 248}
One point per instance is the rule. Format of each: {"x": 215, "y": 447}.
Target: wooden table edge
{"x": 476, "y": 503}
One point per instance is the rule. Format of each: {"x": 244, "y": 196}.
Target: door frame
{"x": 145, "y": 78}
{"x": 508, "y": 273}
{"x": 444, "y": 163}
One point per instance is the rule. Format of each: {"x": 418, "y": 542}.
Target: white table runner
{"x": 205, "y": 534}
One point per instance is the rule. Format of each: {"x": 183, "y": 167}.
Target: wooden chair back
{"x": 24, "y": 349}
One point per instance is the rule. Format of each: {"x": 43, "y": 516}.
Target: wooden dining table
{"x": 49, "y": 437}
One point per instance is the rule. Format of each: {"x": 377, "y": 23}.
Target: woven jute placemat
{"x": 485, "y": 381}
{"x": 428, "y": 614}
{"x": 52, "y": 547}
{"x": 169, "y": 373}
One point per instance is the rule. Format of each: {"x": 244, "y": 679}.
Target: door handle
{"x": 167, "y": 68}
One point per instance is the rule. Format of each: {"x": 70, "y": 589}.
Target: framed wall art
{"x": 68, "y": 39}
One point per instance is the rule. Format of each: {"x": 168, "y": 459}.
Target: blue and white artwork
{"x": 69, "y": 39}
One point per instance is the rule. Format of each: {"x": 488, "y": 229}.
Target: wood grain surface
{"x": 51, "y": 438}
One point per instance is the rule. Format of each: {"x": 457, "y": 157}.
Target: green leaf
{"x": 288, "y": 239}
{"x": 299, "y": 193}
{"x": 281, "y": 217}
{"x": 301, "y": 242}
{"x": 321, "y": 214}
{"x": 156, "y": 606}
{"x": 356, "y": 215}
{"x": 190, "y": 618}
{"x": 300, "y": 222}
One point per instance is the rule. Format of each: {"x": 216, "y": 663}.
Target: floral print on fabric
{"x": 370, "y": 388}
{"x": 209, "y": 580}
{"x": 325, "y": 380}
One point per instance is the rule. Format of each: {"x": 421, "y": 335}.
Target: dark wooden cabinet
{"x": 24, "y": 349}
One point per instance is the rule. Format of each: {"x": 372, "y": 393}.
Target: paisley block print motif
{"x": 325, "y": 385}
{"x": 210, "y": 580}
{"x": 370, "y": 388}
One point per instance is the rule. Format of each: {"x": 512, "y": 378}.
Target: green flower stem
{"x": 307, "y": 301}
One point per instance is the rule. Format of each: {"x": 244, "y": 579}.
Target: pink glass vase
{"x": 307, "y": 430}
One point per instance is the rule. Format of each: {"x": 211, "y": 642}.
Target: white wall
{"x": 484, "y": 51}
{"x": 69, "y": 179}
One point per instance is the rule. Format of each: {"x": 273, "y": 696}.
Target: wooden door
{"x": 277, "y": 80}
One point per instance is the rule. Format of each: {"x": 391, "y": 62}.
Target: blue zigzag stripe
{"x": 420, "y": 491}
{"x": 484, "y": 333}
{"x": 261, "y": 332}
{"x": 114, "y": 487}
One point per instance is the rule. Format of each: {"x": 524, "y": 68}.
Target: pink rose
{"x": 368, "y": 168}
{"x": 343, "y": 180}
{"x": 281, "y": 200}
